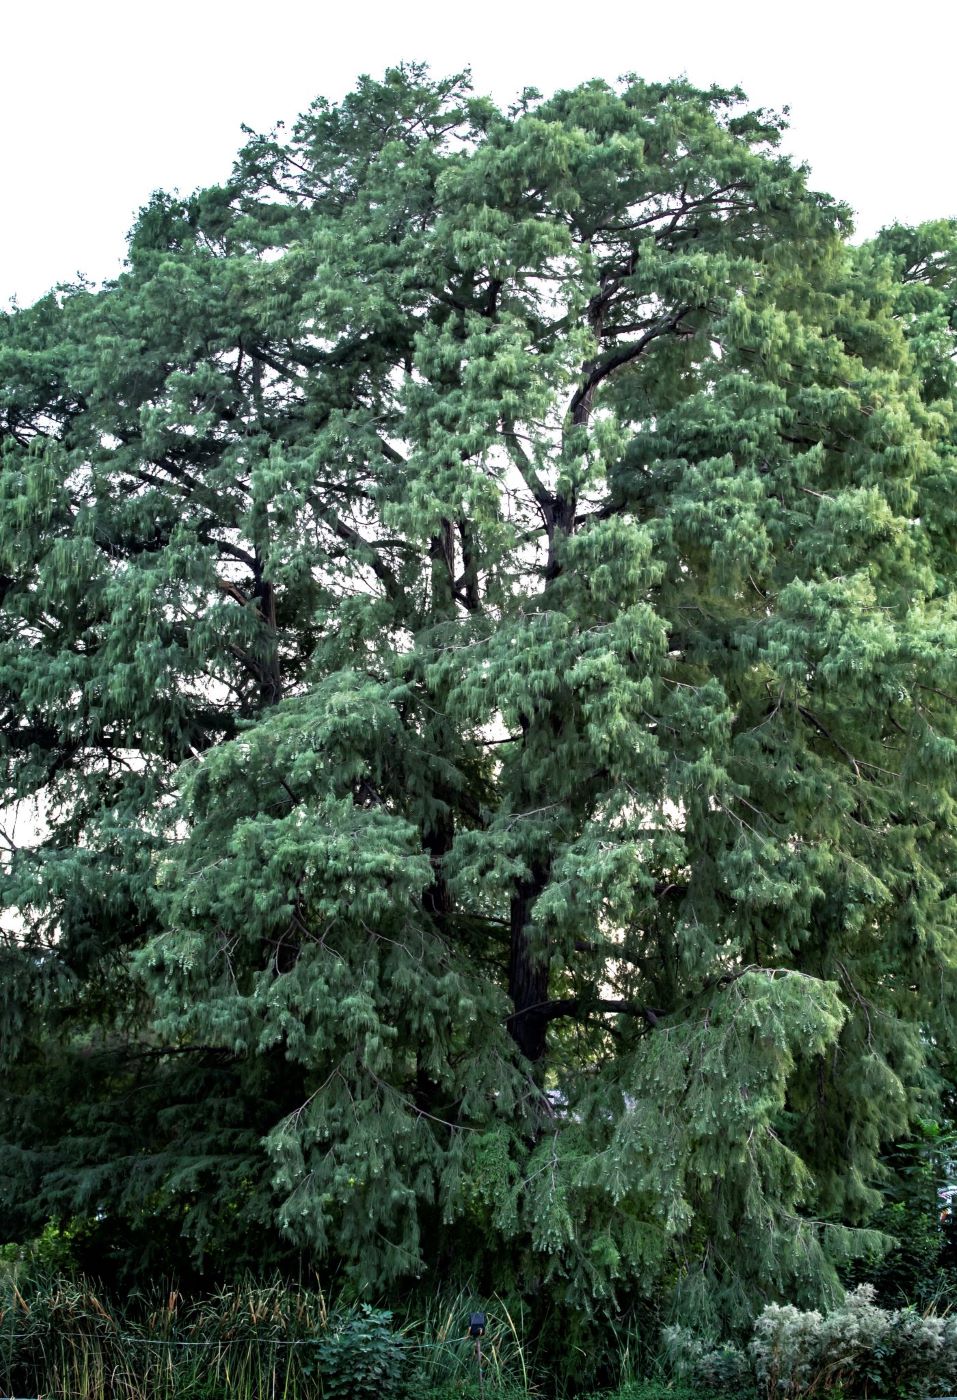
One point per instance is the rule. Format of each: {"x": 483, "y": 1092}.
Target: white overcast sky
{"x": 102, "y": 102}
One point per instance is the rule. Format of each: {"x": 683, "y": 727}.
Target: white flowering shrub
{"x": 706, "y": 1364}
{"x": 858, "y": 1350}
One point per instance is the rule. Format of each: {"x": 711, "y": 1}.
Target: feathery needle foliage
{"x": 477, "y": 638}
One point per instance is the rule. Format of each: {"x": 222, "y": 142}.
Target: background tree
{"x": 477, "y": 632}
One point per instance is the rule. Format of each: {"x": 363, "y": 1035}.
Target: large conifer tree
{"x": 478, "y": 645}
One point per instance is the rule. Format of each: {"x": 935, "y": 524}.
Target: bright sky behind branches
{"x": 103, "y": 102}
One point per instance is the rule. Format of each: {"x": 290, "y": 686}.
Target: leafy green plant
{"x": 919, "y": 1269}
{"x": 361, "y": 1358}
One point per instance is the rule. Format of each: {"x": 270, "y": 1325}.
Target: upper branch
{"x": 595, "y": 371}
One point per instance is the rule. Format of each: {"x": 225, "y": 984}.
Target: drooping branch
{"x": 578, "y": 1008}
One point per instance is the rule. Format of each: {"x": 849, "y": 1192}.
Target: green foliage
{"x": 53, "y": 1250}
{"x": 444, "y": 1357}
{"x": 659, "y": 1390}
{"x": 856, "y": 1350}
{"x": 705, "y": 1363}
{"x": 467, "y": 1390}
{"x": 477, "y": 673}
{"x": 361, "y": 1358}
{"x": 919, "y": 1269}
{"x": 65, "y": 1336}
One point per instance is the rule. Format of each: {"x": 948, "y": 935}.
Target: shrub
{"x": 361, "y": 1358}
{"x": 706, "y": 1364}
{"x": 859, "y": 1349}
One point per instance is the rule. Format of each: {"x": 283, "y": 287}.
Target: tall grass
{"x": 444, "y": 1356}
{"x": 61, "y": 1337}
{"x": 554, "y": 1352}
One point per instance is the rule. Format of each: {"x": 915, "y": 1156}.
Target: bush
{"x": 361, "y": 1358}
{"x": 706, "y": 1364}
{"x": 858, "y": 1349}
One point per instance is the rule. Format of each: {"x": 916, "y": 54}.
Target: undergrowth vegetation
{"x": 63, "y": 1337}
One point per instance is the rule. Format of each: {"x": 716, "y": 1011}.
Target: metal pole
{"x": 478, "y": 1358}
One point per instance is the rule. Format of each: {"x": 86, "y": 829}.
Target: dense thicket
{"x": 477, "y": 662}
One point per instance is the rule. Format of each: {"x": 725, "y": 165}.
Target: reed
{"x": 444, "y": 1357}
{"x": 59, "y": 1337}
{"x": 62, "y": 1337}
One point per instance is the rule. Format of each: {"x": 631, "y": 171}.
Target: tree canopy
{"x": 477, "y": 645}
